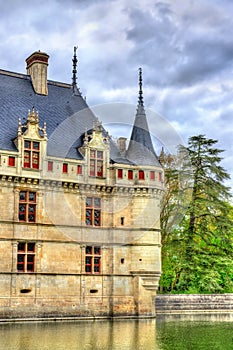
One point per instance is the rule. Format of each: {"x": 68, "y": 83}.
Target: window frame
{"x": 26, "y": 257}
{"x": 120, "y": 173}
{"x": 141, "y": 175}
{"x": 79, "y": 169}
{"x": 31, "y": 154}
{"x": 27, "y": 206}
{"x": 152, "y": 175}
{"x": 11, "y": 161}
{"x": 130, "y": 174}
{"x": 93, "y": 260}
{"x": 65, "y": 168}
{"x": 50, "y": 165}
{"x": 93, "y": 211}
{"x": 96, "y": 165}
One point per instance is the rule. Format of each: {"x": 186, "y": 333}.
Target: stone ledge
{"x": 194, "y": 304}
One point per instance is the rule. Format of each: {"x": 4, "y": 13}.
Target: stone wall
{"x": 179, "y": 305}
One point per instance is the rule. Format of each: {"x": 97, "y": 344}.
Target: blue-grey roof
{"x": 140, "y": 150}
{"x": 67, "y": 117}
{"x": 64, "y": 110}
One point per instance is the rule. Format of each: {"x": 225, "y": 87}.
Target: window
{"x": 27, "y": 206}
{"x": 130, "y": 174}
{"x": 93, "y": 259}
{"x": 93, "y": 211}
{"x": 160, "y": 176}
{"x": 120, "y": 173}
{"x": 79, "y": 170}
{"x": 26, "y": 257}
{"x": 152, "y": 175}
{"x": 96, "y": 163}
{"x": 31, "y": 154}
{"x": 11, "y": 161}
{"x": 50, "y": 166}
{"x": 141, "y": 175}
{"x": 65, "y": 168}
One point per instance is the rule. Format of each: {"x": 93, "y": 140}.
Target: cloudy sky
{"x": 185, "y": 49}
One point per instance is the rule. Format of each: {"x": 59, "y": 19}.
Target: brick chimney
{"x": 37, "y": 64}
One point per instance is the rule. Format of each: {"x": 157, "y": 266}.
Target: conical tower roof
{"x": 140, "y": 150}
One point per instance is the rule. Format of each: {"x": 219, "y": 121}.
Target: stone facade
{"x": 79, "y": 236}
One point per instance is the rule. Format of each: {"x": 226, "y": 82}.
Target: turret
{"x": 140, "y": 150}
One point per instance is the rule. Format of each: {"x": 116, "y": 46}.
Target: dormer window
{"x": 96, "y": 163}
{"x": 31, "y": 154}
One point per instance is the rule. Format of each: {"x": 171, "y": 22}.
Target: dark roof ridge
{"x": 59, "y": 83}
{"x": 14, "y": 74}
{"x": 27, "y": 77}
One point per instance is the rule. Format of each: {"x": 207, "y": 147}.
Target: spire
{"x": 140, "y": 150}
{"x": 74, "y": 79}
{"x": 140, "y": 96}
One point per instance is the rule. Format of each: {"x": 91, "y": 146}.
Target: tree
{"x": 197, "y": 256}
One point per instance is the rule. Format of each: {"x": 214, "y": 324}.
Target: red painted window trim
{"x": 11, "y": 161}
{"x": 152, "y": 175}
{"x": 93, "y": 260}
{"x": 93, "y": 211}
{"x": 130, "y": 174}
{"x": 96, "y": 163}
{"x": 141, "y": 175}
{"x": 65, "y": 168}
{"x": 26, "y": 257}
{"x": 120, "y": 173}
{"x": 31, "y": 154}
{"x": 79, "y": 169}
{"x": 27, "y": 206}
{"x": 50, "y": 165}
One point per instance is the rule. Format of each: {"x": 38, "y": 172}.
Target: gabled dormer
{"x": 96, "y": 150}
{"x": 31, "y": 142}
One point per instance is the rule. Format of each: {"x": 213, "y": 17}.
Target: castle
{"x": 79, "y": 219}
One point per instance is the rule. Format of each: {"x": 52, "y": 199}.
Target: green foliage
{"x": 196, "y": 221}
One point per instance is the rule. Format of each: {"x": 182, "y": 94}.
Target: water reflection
{"x": 120, "y": 335}
{"x": 80, "y": 335}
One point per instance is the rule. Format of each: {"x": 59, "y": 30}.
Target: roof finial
{"x": 140, "y": 97}
{"x": 74, "y": 68}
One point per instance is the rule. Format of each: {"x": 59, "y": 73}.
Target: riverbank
{"x": 196, "y": 306}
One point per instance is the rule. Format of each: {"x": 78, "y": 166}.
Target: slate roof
{"x": 140, "y": 149}
{"x": 67, "y": 117}
{"x": 65, "y": 112}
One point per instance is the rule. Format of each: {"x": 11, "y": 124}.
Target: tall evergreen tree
{"x": 199, "y": 254}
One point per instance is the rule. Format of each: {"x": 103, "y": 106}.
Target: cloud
{"x": 184, "y": 47}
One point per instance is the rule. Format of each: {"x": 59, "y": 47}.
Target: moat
{"x": 122, "y": 335}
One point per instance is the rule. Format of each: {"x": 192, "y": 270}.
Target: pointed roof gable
{"x": 140, "y": 150}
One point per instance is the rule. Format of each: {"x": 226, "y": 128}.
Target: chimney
{"x": 121, "y": 142}
{"x": 37, "y": 64}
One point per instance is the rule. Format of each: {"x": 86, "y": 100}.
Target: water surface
{"x": 122, "y": 335}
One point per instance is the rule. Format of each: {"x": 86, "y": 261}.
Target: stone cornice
{"x": 71, "y": 186}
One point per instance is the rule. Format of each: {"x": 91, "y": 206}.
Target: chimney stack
{"x": 37, "y": 64}
{"x": 121, "y": 142}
